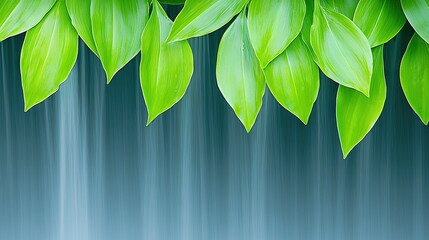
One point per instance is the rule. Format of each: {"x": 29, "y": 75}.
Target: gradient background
{"x": 82, "y": 165}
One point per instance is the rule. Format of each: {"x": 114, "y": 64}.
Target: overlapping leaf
{"x": 117, "y": 26}
{"x": 166, "y": 68}
{"x": 356, "y": 113}
{"x": 293, "y": 79}
{"x": 414, "y": 75}
{"x": 345, "y": 7}
{"x": 417, "y": 13}
{"x": 80, "y": 15}
{"x": 341, "y": 49}
{"x": 308, "y": 21}
{"x": 273, "y": 25}
{"x": 48, "y": 55}
{"x": 239, "y": 76}
{"x": 379, "y": 20}
{"x": 17, "y": 16}
{"x": 199, "y": 18}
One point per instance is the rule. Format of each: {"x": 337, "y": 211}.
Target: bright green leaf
{"x": 117, "y": 26}
{"x": 345, "y": 7}
{"x": 379, "y": 20}
{"x": 17, "y": 16}
{"x": 80, "y": 15}
{"x": 341, "y": 49}
{"x": 417, "y": 13}
{"x": 172, "y": 2}
{"x": 48, "y": 54}
{"x": 308, "y": 21}
{"x": 356, "y": 113}
{"x": 414, "y": 74}
{"x": 199, "y": 18}
{"x": 166, "y": 68}
{"x": 238, "y": 74}
{"x": 273, "y": 25}
{"x": 293, "y": 79}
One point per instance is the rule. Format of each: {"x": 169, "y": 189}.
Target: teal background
{"x": 83, "y": 165}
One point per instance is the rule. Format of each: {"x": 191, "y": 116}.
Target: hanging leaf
{"x": 238, "y": 74}
{"x": 166, "y": 68}
{"x": 379, "y": 20}
{"x": 293, "y": 79}
{"x": 80, "y": 15}
{"x": 48, "y": 54}
{"x": 345, "y": 7}
{"x": 117, "y": 26}
{"x": 414, "y": 75}
{"x": 273, "y": 25}
{"x": 308, "y": 21}
{"x": 199, "y": 18}
{"x": 172, "y": 2}
{"x": 18, "y": 16}
{"x": 417, "y": 13}
{"x": 341, "y": 49}
{"x": 356, "y": 113}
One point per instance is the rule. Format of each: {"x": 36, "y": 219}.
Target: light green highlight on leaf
{"x": 273, "y": 25}
{"x": 48, "y": 54}
{"x": 417, "y": 13}
{"x": 293, "y": 79}
{"x": 356, "y": 113}
{"x": 117, "y": 26}
{"x": 199, "y": 18}
{"x": 18, "y": 16}
{"x": 80, "y": 15}
{"x": 239, "y": 77}
{"x": 414, "y": 75}
{"x": 341, "y": 49}
{"x": 345, "y": 7}
{"x": 379, "y": 20}
{"x": 166, "y": 68}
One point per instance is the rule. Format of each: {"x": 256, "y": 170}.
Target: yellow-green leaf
{"x": 273, "y": 25}
{"x": 341, "y": 49}
{"x": 379, "y": 20}
{"x": 414, "y": 75}
{"x": 293, "y": 79}
{"x": 165, "y": 68}
{"x": 17, "y": 16}
{"x": 199, "y": 18}
{"x": 356, "y": 113}
{"x": 238, "y": 74}
{"x": 417, "y": 13}
{"x": 308, "y": 21}
{"x": 117, "y": 26}
{"x": 345, "y": 7}
{"x": 80, "y": 15}
{"x": 48, "y": 54}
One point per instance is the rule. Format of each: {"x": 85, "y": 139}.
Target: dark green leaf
{"x": 172, "y": 2}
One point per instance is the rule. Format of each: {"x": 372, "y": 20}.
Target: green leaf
{"x": 166, "y": 68}
{"x": 80, "y": 15}
{"x": 18, "y": 16}
{"x": 414, "y": 75}
{"x": 117, "y": 26}
{"x": 417, "y": 13}
{"x": 238, "y": 74}
{"x": 293, "y": 79}
{"x": 48, "y": 54}
{"x": 273, "y": 25}
{"x": 341, "y": 49}
{"x": 379, "y": 20}
{"x": 199, "y": 18}
{"x": 172, "y": 2}
{"x": 308, "y": 21}
{"x": 345, "y": 7}
{"x": 356, "y": 113}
